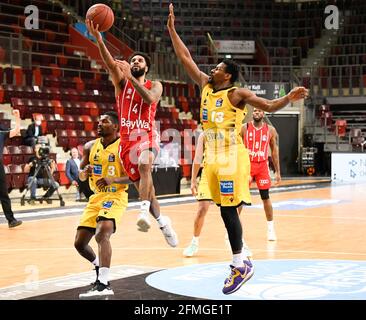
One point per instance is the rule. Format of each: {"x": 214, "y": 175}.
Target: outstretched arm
{"x": 109, "y": 61}
{"x": 183, "y": 53}
{"x": 249, "y": 97}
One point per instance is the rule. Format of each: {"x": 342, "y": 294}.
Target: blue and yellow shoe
{"x": 237, "y": 277}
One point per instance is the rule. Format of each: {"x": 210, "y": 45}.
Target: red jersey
{"x": 134, "y": 114}
{"x": 257, "y": 141}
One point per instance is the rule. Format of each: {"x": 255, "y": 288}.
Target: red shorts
{"x": 130, "y": 151}
{"x": 259, "y": 171}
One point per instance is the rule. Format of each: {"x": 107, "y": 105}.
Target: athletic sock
{"x": 195, "y": 240}
{"x": 145, "y": 206}
{"x": 270, "y": 225}
{"x": 238, "y": 260}
{"x": 104, "y": 275}
{"x": 161, "y": 221}
{"x": 96, "y": 262}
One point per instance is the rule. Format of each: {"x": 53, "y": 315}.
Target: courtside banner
{"x": 348, "y": 167}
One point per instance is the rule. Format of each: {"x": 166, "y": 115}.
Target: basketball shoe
{"x": 143, "y": 221}
{"x": 168, "y": 232}
{"x": 237, "y": 277}
{"x": 99, "y": 289}
{"x": 191, "y": 250}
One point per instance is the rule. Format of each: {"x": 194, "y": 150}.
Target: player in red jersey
{"x": 257, "y": 136}
{"x": 137, "y": 99}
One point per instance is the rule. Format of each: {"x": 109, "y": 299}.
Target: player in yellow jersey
{"x": 108, "y": 181}
{"x": 227, "y": 161}
{"x": 202, "y": 192}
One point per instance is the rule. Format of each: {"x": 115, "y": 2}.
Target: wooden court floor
{"x": 332, "y": 231}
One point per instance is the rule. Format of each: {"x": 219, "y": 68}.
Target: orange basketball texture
{"x": 102, "y": 15}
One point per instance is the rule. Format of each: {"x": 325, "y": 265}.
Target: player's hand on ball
{"x": 93, "y": 30}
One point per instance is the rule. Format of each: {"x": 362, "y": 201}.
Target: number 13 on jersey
{"x": 215, "y": 116}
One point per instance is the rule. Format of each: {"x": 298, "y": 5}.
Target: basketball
{"x": 102, "y": 15}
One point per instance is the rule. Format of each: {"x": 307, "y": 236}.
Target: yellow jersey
{"x": 221, "y": 121}
{"x": 106, "y": 163}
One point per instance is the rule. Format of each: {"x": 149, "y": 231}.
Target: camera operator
{"x": 42, "y": 179}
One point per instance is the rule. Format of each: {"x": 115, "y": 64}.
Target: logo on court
{"x": 272, "y": 280}
{"x": 300, "y": 204}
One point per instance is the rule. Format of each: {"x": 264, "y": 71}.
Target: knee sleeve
{"x": 232, "y": 223}
{"x": 264, "y": 194}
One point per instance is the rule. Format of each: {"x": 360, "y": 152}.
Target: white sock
{"x": 270, "y": 225}
{"x": 238, "y": 260}
{"x": 96, "y": 262}
{"x": 195, "y": 240}
{"x": 145, "y": 206}
{"x": 161, "y": 221}
{"x": 103, "y": 275}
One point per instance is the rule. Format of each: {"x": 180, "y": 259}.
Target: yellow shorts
{"x": 107, "y": 205}
{"x": 228, "y": 176}
{"x": 203, "y": 191}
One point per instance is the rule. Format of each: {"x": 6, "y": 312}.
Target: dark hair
{"x": 146, "y": 57}
{"x": 233, "y": 68}
{"x": 113, "y": 116}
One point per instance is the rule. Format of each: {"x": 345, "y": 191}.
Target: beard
{"x": 137, "y": 73}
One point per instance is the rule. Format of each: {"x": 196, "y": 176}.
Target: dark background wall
{"x": 287, "y": 126}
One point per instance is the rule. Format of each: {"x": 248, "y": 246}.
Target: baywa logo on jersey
{"x": 138, "y": 124}
{"x": 204, "y": 115}
{"x": 107, "y": 204}
{"x": 227, "y": 188}
{"x": 97, "y": 170}
{"x": 219, "y": 102}
{"x": 111, "y": 158}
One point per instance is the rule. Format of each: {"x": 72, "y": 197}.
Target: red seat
{"x": 6, "y": 156}
{"x": 62, "y": 138}
{"x": 341, "y": 126}
{"x": 73, "y": 138}
{"x": 64, "y": 181}
{"x": 16, "y": 155}
{"x": 69, "y": 121}
{"x": 18, "y": 176}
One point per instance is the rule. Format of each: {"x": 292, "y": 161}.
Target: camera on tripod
{"x": 44, "y": 152}
{"x": 41, "y": 169}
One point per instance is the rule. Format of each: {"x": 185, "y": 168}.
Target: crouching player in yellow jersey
{"x": 227, "y": 161}
{"x": 108, "y": 180}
